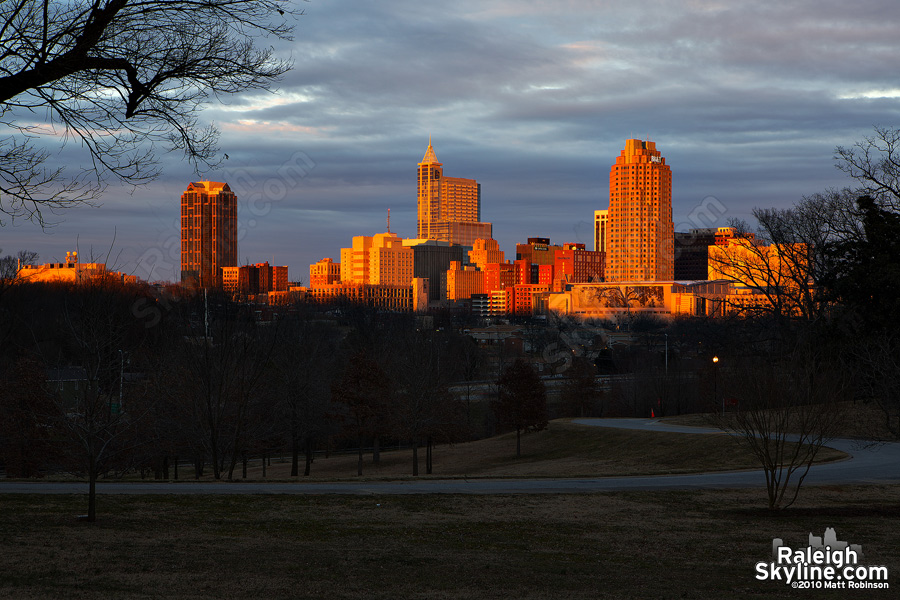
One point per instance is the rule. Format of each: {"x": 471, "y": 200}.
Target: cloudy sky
{"x": 534, "y": 99}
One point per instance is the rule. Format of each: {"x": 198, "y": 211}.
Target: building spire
{"x": 430, "y": 157}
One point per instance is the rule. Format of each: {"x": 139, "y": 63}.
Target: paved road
{"x": 880, "y": 464}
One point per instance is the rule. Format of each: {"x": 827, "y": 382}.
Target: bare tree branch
{"x": 122, "y": 78}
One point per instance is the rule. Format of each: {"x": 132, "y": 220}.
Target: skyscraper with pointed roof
{"x": 449, "y": 208}
{"x": 208, "y": 232}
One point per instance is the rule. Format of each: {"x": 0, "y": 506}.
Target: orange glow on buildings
{"x": 376, "y": 271}
{"x": 260, "y": 278}
{"x": 381, "y": 259}
{"x": 484, "y": 252}
{"x": 324, "y": 272}
{"x": 640, "y": 238}
{"x": 526, "y": 298}
{"x": 498, "y": 276}
{"x": 601, "y": 227}
{"x": 413, "y": 297}
{"x": 464, "y": 282}
{"x": 575, "y": 264}
{"x": 208, "y": 232}
{"x": 744, "y": 260}
{"x": 71, "y": 271}
{"x": 449, "y": 208}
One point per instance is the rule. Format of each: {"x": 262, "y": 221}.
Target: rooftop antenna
{"x": 389, "y": 221}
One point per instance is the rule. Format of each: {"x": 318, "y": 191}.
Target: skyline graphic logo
{"x": 825, "y": 563}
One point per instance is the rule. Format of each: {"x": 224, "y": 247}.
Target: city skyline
{"x": 531, "y": 100}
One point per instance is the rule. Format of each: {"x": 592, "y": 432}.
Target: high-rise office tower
{"x": 449, "y": 208}
{"x": 208, "y": 232}
{"x": 640, "y": 235}
{"x": 601, "y": 224}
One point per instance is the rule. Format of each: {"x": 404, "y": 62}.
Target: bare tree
{"x": 11, "y": 264}
{"x": 522, "y": 404}
{"x": 216, "y": 378}
{"x": 423, "y": 407}
{"x": 786, "y": 410}
{"x": 303, "y": 369}
{"x": 469, "y": 362}
{"x": 99, "y": 330}
{"x": 364, "y": 389}
{"x": 875, "y": 163}
{"x": 880, "y": 359}
{"x": 119, "y": 77}
{"x": 581, "y": 390}
{"x": 26, "y": 435}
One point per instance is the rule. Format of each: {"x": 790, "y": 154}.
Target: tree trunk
{"x": 359, "y": 463}
{"x": 468, "y": 407}
{"x": 92, "y": 490}
{"x": 518, "y": 442}
{"x": 376, "y": 451}
{"x": 428, "y": 448}
{"x": 415, "y": 446}
{"x": 265, "y": 461}
{"x": 295, "y": 455}
{"x": 176, "y": 468}
{"x": 243, "y": 467}
{"x": 309, "y": 456}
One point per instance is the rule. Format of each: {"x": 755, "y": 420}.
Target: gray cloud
{"x": 534, "y": 99}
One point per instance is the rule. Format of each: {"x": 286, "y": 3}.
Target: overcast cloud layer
{"x": 534, "y": 100}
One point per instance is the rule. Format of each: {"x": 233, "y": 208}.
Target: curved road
{"x": 868, "y": 465}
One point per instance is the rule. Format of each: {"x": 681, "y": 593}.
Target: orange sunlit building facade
{"x": 208, "y": 232}
{"x": 71, "y": 271}
{"x": 260, "y": 278}
{"x": 640, "y": 235}
{"x": 464, "y": 281}
{"x": 601, "y": 226}
{"x": 449, "y": 208}
{"x": 381, "y": 259}
{"x": 498, "y": 276}
{"x": 324, "y": 272}
{"x": 755, "y": 265}
{"x": 376, "y": 271}
{"x": 484, "y": 252}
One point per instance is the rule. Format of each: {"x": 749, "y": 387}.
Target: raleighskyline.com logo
{"x": 825, "y": 563}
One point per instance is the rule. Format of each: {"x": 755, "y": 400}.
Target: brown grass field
{"x": 673, "y": 544}
{"x": 564, "y": 449}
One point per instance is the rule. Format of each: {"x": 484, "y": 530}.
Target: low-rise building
{"x": 71, "y": 271}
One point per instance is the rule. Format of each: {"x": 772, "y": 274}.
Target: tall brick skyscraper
{"x": 640, "y": 242}
{"x": 208, "y": 233}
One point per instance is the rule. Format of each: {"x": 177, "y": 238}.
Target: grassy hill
{"x": 564, "y": 449}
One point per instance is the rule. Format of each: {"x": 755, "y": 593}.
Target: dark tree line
{"x": 93, "y": 387}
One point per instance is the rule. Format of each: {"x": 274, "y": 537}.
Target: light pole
{"x": 716, "y": 382}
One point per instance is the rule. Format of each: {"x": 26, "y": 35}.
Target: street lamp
{"x": 716, "y": 382}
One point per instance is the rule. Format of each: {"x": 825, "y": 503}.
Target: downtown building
{"x": 640, "y": 232}
{"x": 72, "y": 271}
{"x": 449, "y": 208}
{"x": 252, "y": 280}
{"x": 208, "y": 233}
{"x": 376, "y": 271}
